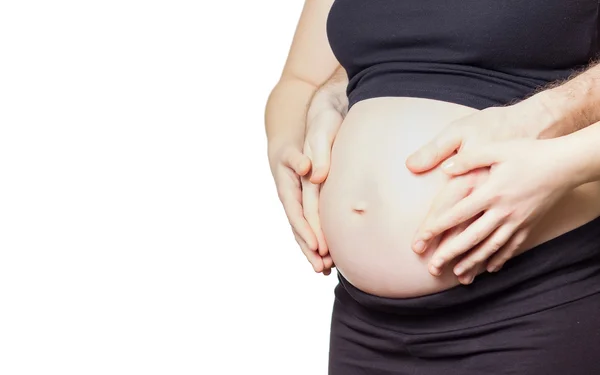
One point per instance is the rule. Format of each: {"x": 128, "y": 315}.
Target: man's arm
{"x": 573, "y": 105}
{"x": 325, "y": 115}
{"x": 331, "y": 94}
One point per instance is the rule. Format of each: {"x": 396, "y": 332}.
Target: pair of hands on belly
{"x": 503, "y": 181}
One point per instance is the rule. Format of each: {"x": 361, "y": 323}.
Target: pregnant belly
{"x": 371, "y": 205}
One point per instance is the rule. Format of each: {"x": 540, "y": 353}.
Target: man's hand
{"x": 526, "y": 178}
{"x": 324, "y": 118}
{"x": 486, "y": 129}
{"x": 287, "y": 165}
{"x": 494, "y": 124}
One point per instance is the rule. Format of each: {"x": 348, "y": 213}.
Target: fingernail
{"x": 447, "y": 164}
{"x": 471, "y": 279}
{"x": 419, "y": 246}
{"x": 415, "y": 158}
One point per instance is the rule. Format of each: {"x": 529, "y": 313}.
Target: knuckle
{"x": 454, "y": 253}
{"x": 510, "y": 251}
{"x": 474, "y": 240}
{"x": 503, "y": 259}
{"x": 494, "y": 246}
{"x": 457, "y": 218}
{"x": 478, "y": 258}
{"x": 444, "y": 136}
{"x": 505, "y": 212}
{"x": 521, "y": 237}
{"x": 469, "y": 263}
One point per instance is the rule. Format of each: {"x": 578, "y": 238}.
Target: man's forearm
{"x": 337, "y": 85}
{"x": 573, "y": 105}
{"x": 332, "y": 93}
{"x": 290, "y": 100}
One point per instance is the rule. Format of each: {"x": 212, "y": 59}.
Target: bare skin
{"x": 309, "y": 66}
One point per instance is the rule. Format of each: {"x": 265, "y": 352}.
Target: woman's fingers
{"x": 453, "y": 192}
{"x": 327, "y": 264}
{"x": 484, "y": 251}
{"x": 310, "y": 205}
{"x": 290, "y": 195}
{"x": 467, "y": 240}
{"x": 293, "y": 165}
{"x": 469, "y": 277}
{"x": 507, "y": 251}
{"x": 464, "y": 210}
{"x": 312, "y": 256}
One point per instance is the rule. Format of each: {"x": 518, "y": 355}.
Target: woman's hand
{"x": 324, "y": 118}
{"x": 490, "y": 126}
{"x": 288, "y": 163}
{"x": 299, "y": 172}
{"x": 526, "y": 178}
{"x": 455, "y": 190}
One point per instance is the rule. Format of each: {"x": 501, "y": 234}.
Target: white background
{"x": 140, "y": 230}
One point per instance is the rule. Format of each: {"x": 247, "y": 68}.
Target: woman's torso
{"x": 403, "y": 93}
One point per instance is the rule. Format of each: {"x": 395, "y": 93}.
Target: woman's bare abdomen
{"x": 371, "y": 205}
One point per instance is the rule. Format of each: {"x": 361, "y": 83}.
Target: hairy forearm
{"x": 331, "y": 95}
{"x": 336, "y": 88}
{"x": 289, "y": 102}
{"x": 285, "y": 112}
{"x": 572, "y": 105}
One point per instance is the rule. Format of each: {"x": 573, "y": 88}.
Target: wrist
{"x": 573, "y": 157}
{"x": 570, "y": 107}
{"x": 544, "y": 115}
{"x": 329, "y": 97}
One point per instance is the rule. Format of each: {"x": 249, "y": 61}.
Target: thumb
{"x": 320, "y": 145}
{"x": 430, "y": 155}
{"x": 321, "y": 162}
{"x": 467, "y": 161}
